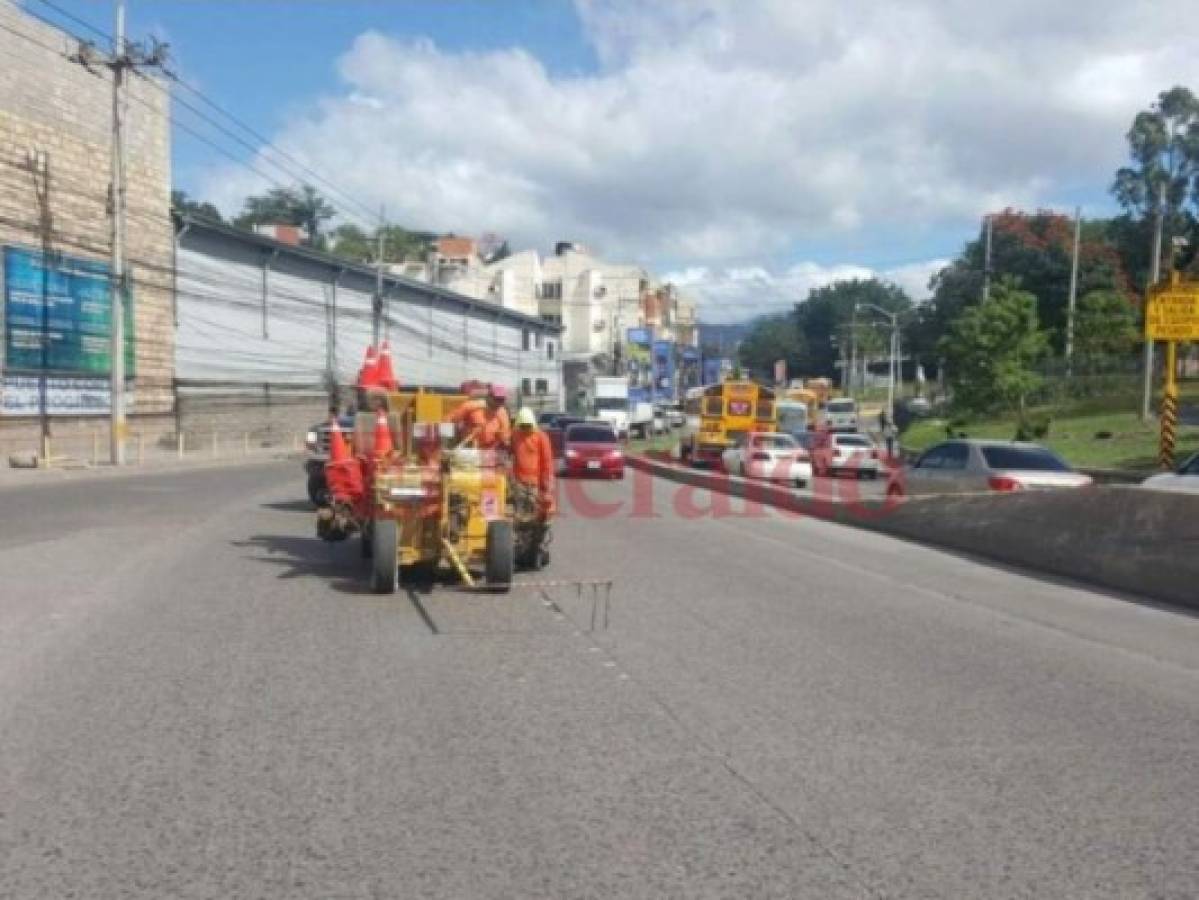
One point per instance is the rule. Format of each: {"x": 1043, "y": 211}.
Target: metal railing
{"x": 91, "y": 448}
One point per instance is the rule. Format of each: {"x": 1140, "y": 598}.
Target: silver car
{"x": 1184, "y": 479}
{"x": 963, "y": 466}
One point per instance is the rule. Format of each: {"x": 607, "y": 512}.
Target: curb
{"x": 1115, "y": 537}
{"x": 19, "y": 478}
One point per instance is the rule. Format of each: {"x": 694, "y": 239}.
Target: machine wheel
{"x": 501, "y": 553}
{"x": 365, "y": 542}
{"x": 318, "y": 491}
{"x": 384, "y": 564}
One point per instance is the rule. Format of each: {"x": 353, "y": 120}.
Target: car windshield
{"x": 590, "y": 434}
{"x": 851, "y": 440}
{"x": 612, "y": 403}
{"x": 1027, "y": 459}
{"x": 841, "y": 406}
{"x": 774, "y": 442}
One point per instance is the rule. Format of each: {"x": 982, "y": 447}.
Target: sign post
{"x": 1171, "y": 315}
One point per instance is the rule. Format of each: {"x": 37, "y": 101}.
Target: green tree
{"x": 399, "y": 244}
{"x": 769, "y": 340}
{"x": 198, "y": 209}
{"x": 302, "y": 206}
{"x": 825, "y": 317}
{"x": 990, "y": 350}
{"x": 1163, "y": 146}
{"x": 1104, "y": 325}
{"x": 1036, "y": 249}
{"x": 350, "y": 242}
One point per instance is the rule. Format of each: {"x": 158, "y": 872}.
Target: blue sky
{"x": 746, "y": 149}
{"x": 262, "y": 59}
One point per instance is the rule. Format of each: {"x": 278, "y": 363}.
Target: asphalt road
{"x": 198, "y": 699}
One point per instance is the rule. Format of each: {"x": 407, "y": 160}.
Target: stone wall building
{"x": 55, "y": 224}
{"x": 231, "y": 336}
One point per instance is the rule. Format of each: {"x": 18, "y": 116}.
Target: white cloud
{"x": 738, "y": 293}
{"x": 729, "y": 133}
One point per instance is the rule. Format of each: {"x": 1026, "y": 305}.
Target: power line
{"x": 69, "y": 15}
{"x": 266, "y": 144}
{"x": 369, "y": 219}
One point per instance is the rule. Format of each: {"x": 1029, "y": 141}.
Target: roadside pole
{"x": 377, "y": 305}
{"x": 123, "y": 58}
{"x": 1155, "y": 273}
{"x": 116, "y": 351}
{"x": 1073, "y": 292}
{"x": 1169, "y": 420}
{"x": 1171, "y": 315}
{"x": 987, "y": 264}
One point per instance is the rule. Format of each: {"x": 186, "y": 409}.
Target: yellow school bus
{"x": 718, "y": 415}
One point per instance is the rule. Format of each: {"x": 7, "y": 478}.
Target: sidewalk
{"x": 76, "y": 471}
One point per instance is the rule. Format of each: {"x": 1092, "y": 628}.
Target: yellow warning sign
{"x": 1173, "y": 313}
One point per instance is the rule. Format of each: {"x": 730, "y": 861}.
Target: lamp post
{"x": 894, "y": 363}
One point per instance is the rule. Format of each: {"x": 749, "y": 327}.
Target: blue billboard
{"x": 662, "y": 355}
{"x": 714, "y": 368}
{"x": 58, "y": 315}
{"x": 642, "y": 337}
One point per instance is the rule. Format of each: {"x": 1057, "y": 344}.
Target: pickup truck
{"x": 316, "y": 443}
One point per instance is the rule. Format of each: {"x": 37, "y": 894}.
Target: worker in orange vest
{"x": 532, "y": 488}
{"x": 485, "y": 420}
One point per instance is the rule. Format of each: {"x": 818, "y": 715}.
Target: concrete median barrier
{"x": 1113, "y": 536}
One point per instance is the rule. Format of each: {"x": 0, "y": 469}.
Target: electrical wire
{"x": 67, "y": 14}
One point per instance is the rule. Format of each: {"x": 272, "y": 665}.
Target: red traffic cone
{"x": 385, "y": 375}
{"x": 383, "y": 443}
{"x": 368, "y": 375}
{"x": 339, "y": 451}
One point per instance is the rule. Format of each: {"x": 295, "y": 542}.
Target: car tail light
{"x": 615, "y": 454}
{"x": 760, "y": 457}
{"x": 1004, "y": 483}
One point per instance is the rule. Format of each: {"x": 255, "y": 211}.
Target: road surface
{"x": 198, "y": 699}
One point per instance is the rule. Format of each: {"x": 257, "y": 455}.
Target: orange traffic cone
{"x": 383, "y": 442}
{"x": 339, "y": 451}
{"x": 368, "y": 375}
{"x": 384, "y": 373}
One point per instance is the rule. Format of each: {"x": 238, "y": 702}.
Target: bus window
{"x": 713, "y": 407}
{"x": 765, "y": 409}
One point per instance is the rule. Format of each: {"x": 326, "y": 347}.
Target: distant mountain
{"x": 723, "y": 337}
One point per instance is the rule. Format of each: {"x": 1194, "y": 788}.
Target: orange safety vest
{"x": 533, "y": 459}
{"x": 496, "y": 429}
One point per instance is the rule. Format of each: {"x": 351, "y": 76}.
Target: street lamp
{"x": 894, "y": 363}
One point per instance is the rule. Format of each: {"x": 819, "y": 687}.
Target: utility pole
{"x": 124, "y": 58}
{"x": 1155, "y": 272}
{"x": 377, "y": 306}
{"x": 853, "y": 349}
{"x": 893, "y": 367}
{"x": 1073, "y": 292}
{"x": 987, "y": 264}
{"x": 116, "y": 293}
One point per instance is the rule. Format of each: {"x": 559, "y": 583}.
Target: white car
{"x": 768, "y": 455}
{"x": 841, "y": 414}
{"x": 1184, "y": 479}
{"x": 836, "y": 452}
